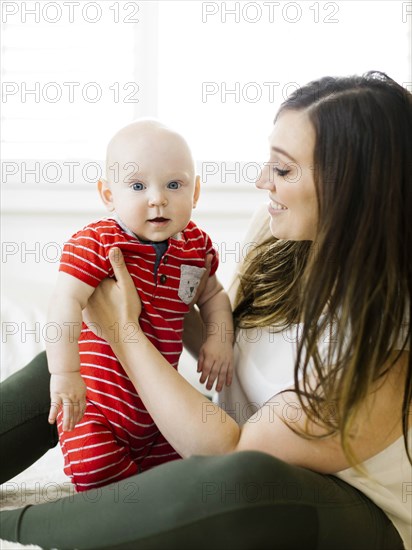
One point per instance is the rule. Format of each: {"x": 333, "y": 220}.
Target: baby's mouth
{"x": 159, "y": 219}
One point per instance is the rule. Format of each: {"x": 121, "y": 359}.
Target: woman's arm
{"x": 179, "y": 410}
{"x": 194, "y": 425}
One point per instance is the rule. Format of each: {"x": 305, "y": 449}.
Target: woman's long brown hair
{"x": 357, "y": 276}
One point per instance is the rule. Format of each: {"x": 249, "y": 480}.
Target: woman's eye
{"x": 281, "y": 173}
{"x": 173, "y": 185}
{"x": 137, "y": 186}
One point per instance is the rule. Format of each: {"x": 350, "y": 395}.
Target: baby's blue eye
{"x": 173, "y": 185}
{"x": 137, "y": 186}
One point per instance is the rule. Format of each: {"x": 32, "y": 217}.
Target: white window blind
{"x": 67, "y": 85}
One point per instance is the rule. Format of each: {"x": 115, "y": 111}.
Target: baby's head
{"x": 151, "y": 181}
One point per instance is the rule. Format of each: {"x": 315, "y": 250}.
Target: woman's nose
{"x": 264, "y": 179}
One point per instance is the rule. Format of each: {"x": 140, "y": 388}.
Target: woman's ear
{"x": 105, "y": 194}
{"x": 196, "y": 191}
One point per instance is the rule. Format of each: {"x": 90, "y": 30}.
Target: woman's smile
{"x": 276, "y": 208}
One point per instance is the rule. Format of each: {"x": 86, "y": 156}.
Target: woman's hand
{"x": 114, "y": 308}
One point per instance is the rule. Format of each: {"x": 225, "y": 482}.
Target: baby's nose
{"x": 157, "y": 198}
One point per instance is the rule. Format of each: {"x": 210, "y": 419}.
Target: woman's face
{"x": 288, "y": 177}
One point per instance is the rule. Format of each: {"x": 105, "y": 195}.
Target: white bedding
{"x": 44, "y": 481}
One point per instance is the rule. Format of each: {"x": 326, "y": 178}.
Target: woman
{"x": 337, "y": 277}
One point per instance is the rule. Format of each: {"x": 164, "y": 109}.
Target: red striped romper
{"x": 117, "y": 437}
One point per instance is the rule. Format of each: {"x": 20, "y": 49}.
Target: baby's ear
{"x": 196, "y": 191}
{"x": 105, "y": 194}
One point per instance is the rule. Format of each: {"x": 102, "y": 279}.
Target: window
{"x": 74, "y": 72}
{"x": 66, "y": 86}
{"x": 225, "y": 67}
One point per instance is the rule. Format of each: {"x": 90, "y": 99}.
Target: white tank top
{"x": 264, "y": 364}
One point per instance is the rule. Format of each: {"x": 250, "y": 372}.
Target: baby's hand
{"x": 67, "y": 389}
{"x": 216, "y": 361}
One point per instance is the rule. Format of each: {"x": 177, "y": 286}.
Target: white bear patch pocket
{"x": 190, "y": 276}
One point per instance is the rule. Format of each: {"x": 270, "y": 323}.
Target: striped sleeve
{"x": 85, "y": 258}
{"x": 210, "y": 249}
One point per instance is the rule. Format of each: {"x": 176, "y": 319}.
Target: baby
{"x": 106, "y": 434}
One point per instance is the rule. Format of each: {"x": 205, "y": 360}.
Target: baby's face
{"x": 151, "y": 181}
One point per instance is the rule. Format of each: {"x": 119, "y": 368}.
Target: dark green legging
{"x": 246, "y": 500}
